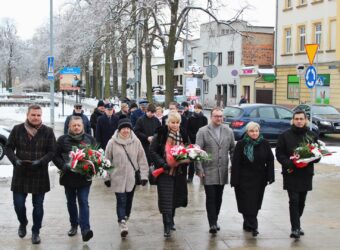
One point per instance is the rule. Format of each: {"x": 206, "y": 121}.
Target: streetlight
{"x": 52, "y": 81}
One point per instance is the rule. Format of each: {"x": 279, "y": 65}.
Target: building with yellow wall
{"x": 301, "y": 22}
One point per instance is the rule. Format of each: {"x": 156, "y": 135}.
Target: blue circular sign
{"x": 310, "y": 77}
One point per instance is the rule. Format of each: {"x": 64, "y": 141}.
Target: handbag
{"x": 152, "y": 179}
{"x": 138, "y": 178}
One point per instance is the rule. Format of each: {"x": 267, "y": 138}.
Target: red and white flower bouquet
{"x": 309, "y": 152}
{"x": 178, "y": 154}
{"x": 89, "y": 161}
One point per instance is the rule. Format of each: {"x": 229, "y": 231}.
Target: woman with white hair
{"x": 252, "y": 169}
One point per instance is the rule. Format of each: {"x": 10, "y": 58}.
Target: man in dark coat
{"x": 124, "y": 111}
{"x": 138, "y": 112}
{"x": 76, "y": 185}
{"x": 146, "y": 128}
{"x": 106, "y": 126}
{"x": 195, "y": 122}
{"x": 30, "y": 147}
{"x": 297, "y": 181}
{"x": 173, "y": 106}
{"x": 98, "y": 112}
{"x": 186, "y": 112}
{"x": 79, "y": 112}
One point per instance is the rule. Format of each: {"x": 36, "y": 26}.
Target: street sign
{"x": 310, "y": 77}
{"x": 300, "y": 69}
{"x": 319, "y": 81}
{"x": 311, "y": 50}
{"x": 50, "y": 68}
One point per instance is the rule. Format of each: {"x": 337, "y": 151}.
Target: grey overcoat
{"x": 215, "y": 171}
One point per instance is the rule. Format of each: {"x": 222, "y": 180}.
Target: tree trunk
{"x": 124, "y": 67}
{"x": 148, "y": 73}
{"x": 97, "y": 79}
{"x": 107, "y": 91}
{"x": 169, "y": 53}
{"x": 87, "y": 76}
{"x": 114, "y": 71}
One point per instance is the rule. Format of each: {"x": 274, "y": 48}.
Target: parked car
{"x": 273, "y": 119}
{"x": 4, "y": 133}
{"x": 326, "y": 117}
{"x": 158, "y": 100}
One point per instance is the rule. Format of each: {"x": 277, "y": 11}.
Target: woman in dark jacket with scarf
{"x": 171, "y": 185}
{"x": 252, "y": 169}
{"x": 76, "y": 185}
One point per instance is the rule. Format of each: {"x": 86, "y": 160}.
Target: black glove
{"x": 166, "y": 167}
{"x": 36, "y": 164}
{"x": 18, "y": 163}
{"x": 143, "y": 182}
{"x": 66, "y": 167}
{"x": 107, "y": 183}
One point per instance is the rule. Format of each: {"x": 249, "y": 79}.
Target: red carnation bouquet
{"x": 89, "y": 161}
{"x": 178, "y": 154}
{"x": 308, "y": 152}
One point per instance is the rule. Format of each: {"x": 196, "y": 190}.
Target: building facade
{"x": 222, "y": 51}
{"x": 301, "y": 22}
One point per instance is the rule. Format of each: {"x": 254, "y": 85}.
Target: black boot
{"x": 72, "y": 231}
{"x": 167, "y": 225}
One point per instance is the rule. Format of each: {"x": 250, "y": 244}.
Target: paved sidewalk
{"x": 321, "y": 220}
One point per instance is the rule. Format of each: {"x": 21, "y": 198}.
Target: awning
{"x": 267, "y": 74}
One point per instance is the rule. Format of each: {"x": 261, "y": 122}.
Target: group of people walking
{"x": 134, "y": 148}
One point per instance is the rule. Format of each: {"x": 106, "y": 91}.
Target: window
{"x": 318, "y": 32}
{"x": 181, "y": 63}
{"x": 302, "y": 38}
{"x": 302, "y": 2}
{"x": 181, "y": 80}
{"x": 253, "y": 113}
{"x": 267, "y": 112}
{"x": 332, "y": 35}
{"x": 206, "y": 86}
{"x": 288, "y": 4}
{"x": 232, "y": 90}
{"x": 293, "y": 88}
{"x": 160, "y": 80}
{"x": 205, "y": 59}
{"x": 219, "y": 58}
{"x": 284, "y": 113}
{"x": 230, "y": 57}
{"x": 288, "y": 40}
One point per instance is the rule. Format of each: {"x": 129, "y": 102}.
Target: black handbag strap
{"x": 129, "y": 158}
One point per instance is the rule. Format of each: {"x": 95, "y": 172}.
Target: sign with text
{"x": 70, "y": 78}
{"x": 50, "y": 68}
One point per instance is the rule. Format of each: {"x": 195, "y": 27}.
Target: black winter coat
{"x": 172, "y": 190}
{"x": 86, "y": 122}
{"x": 294, "y": 179}
{"x": 64, "y": 146}
{"x": 94, "y": 119}
{"x": 106, "y": 127}
{"x": 251, "y": 178}
{"x": 144, "y": 128}
{"x": 195, "y": 122}
{"x": 40, "y": 147}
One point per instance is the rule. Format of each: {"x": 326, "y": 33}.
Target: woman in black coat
{"x": 77, "y": 186}
{"x": 252, "y": 169}
{"x": 171, "y": 185}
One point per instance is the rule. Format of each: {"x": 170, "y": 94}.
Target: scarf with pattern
{"x": 31, "y": 129}
{"x": 249, "y": 147}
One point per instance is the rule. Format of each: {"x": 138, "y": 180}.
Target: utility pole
{"x": 52, "y": 81}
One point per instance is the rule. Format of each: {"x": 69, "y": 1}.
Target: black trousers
{"x": 191, "y": 170}
{"x": 250, "y": 221}
{"x": 213, "y": 202}
{"x": 296, "y": 206}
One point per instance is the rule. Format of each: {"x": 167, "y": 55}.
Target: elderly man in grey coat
{"x": 217, "y": 140}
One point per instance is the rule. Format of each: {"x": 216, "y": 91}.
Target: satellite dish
{"x": 212, "y": 71}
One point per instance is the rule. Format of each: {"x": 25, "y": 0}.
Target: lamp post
{"x": 52, "y": 81}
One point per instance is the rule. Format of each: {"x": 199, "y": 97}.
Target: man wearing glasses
{"x": 217, "y": 140}
{"x": 78, "y": 111}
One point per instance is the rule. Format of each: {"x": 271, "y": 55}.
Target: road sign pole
{"x": 52, "y": 81}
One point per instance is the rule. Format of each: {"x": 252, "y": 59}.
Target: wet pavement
{"x": 321, "y": 220}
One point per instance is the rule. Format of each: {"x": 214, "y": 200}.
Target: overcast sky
{"x": 29, "y": 15}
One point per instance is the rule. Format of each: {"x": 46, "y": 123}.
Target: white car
{"x": 4, "y": 133}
